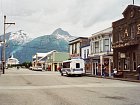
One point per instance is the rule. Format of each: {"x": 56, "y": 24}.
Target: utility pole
{"x": 4, "y": 44}
{"x": 133, "y": 2}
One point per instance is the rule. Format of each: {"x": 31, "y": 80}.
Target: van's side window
{"x": 77, "y": 65}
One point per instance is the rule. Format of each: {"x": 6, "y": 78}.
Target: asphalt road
{"x": 26, "y": 87}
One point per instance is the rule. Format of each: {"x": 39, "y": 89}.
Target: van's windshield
{"x": 66, "y": 65}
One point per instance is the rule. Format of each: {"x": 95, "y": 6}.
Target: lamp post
{"x": 4, "y": 44}
{"x": 1, "y": 42}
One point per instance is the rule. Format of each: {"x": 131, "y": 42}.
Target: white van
{"x": 73, "y": 67}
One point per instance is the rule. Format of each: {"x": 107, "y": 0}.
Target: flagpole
{"x": 133, "y": 2}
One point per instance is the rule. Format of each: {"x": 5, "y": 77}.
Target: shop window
{"x": 119, "y": 64}
{"x": 134, "y": 56}
{"x": 134, "y": 61}
{"x": 134, "y": 65}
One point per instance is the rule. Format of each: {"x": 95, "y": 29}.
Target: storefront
{"x": 126, "y": 40}
{"x": 102, "y": 65}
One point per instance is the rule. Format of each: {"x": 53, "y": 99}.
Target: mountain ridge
{"x": 23, "y": 49}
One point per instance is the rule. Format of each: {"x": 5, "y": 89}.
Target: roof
{"x": 61, "y": 56}
{"x": 47, "y": 55}
{"x": 42, "y": 55}
{"x": 107, "y": 30}
{"x": 130, "y": 7}
{"x": 39, "y": 55}
{"x": 78, "y": 38}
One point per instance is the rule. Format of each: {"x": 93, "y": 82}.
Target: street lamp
{"x": 4, "y": 43}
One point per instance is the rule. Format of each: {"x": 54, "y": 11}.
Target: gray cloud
{"x": 79, "y": 17}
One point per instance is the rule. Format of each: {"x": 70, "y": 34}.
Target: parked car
{"x": 38, "y": 68}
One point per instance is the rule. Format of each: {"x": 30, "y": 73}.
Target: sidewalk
{"x": 121, "y": 79}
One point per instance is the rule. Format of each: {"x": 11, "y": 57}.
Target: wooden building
{"x": 126, "y": 40}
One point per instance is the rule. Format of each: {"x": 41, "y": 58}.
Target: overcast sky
{"x": 78, "y": 17}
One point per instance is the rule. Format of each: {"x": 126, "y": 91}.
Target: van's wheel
{"x": 61, "y": 74}
{"x": 67, "y": 74}
{"x": 80, "y": 75}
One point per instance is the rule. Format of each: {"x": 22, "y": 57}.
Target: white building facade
{"x": 85, "y": 51}
{"x": 101, "y": 52}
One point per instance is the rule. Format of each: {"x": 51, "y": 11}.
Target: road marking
{"x": 67, "y": 86}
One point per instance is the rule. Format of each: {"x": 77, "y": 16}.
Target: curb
{"x": 121, "y": 79}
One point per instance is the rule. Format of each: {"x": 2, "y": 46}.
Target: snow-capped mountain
{"x": 20, "y": 37}
{"x": 61, "y": 34}
{"x": 23, "y": 48}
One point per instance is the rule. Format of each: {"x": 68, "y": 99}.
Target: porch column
{"x": 91, "y": 66}
{"x": 95, "y": 67}
{"x": 101, "y": 62}
{"x": 110, "y": 66}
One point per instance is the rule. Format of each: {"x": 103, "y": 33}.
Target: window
{"x": 106, "y": 45}
{"x": 72, "y": 49}
{"x": 84, "y": 53}
{"x": 132, "y": 31}
{"x": 101, "y": 46}
{"x": 134, "y": 56}
{"x": 134, "y": 61}
{"x": 93, "y": 48}
{"x": 96, "y": 47}
{"x": 77, "y": 65}
{"x": 134, "y": 66}
{"x": 75, "y": 48}
{"x": 120, "y": 36}
{"x": 87, "y": 52}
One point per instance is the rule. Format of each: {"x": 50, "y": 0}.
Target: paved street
{"x": 26, "y": 87}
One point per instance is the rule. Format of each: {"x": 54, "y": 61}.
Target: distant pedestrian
{"x": 103, "y": 70}
{"x": 114, "y": 72}
{"x": 138, "y": 70}
{"x": 17, "y": 67}
{"x": 60, "y": 70}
